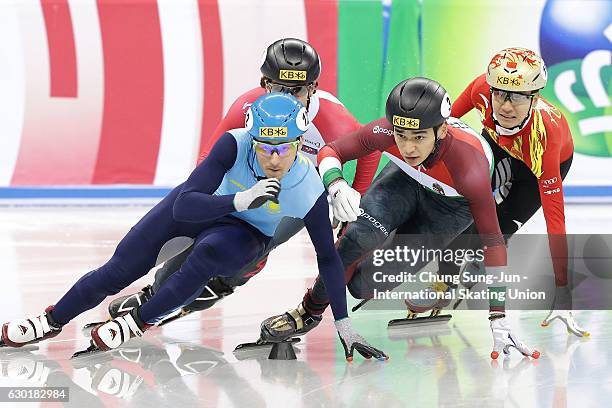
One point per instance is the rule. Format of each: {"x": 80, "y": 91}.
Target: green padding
{"x": 493, "y": 302}
{"x": 331, "y": 175}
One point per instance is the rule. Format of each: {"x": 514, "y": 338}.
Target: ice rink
{"x": 190, "y": 362}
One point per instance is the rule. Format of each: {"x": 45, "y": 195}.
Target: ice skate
{"x": 295, "y": 322}
{"x": 18, "y": 333}
{"x": 215, "y": 290}
{"x": 426, "y": 304}
{"x": 126, "y": 303}
{"x": 276, "y": 329}
{"x": 112, "y": 334}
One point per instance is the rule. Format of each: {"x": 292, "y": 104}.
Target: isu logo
{"x": 23, "y": 329}
{"x": 291, "y": 75}
{"x": 113, "y": 333}
{"x": 406, "y": 123}
{"x": 273, "y": 131}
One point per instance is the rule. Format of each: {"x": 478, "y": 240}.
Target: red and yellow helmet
{"x": 517, "y": 70}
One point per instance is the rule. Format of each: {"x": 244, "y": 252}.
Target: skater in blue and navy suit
{"x": 230, "y": 205}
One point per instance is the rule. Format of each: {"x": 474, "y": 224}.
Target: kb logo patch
{"x": 273, "y": 131}
{"x": 509, "y": 81}
{"x": 407, "y": 123}
{"x": 290, "y": 75}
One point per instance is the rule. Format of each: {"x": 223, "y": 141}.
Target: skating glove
{"x": 352, "y": 341}
{"x": 504, "y": 339}
{"x": 561, "y": 309}
{"x": 345, "y": 201}
{"x": 256, "y": 196}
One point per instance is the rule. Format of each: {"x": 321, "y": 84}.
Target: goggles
{"x": 299, "y": 91}
{"x": 283, "y": 149}
{"x": 515, "y": 98}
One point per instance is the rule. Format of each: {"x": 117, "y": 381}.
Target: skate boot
{"x": 18, "y": 333}
{"x": 562, "y": 310}
{"x": 126, "y": 303}
{"x": 295, "y": 322}
{"x": 215, "y": 290}
{"x": 115, "y": 332}
{"x": 426, "y": 303}
{"x": 503, "y": 338}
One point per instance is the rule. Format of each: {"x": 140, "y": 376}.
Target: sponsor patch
{"x": 553, "y": 191}
{"x": 551, "y": 181}
{"x": 509, "y": 81}
{"x": 406, "y": 123}
{"x": 280, "y": 131}
{"x": 291, "y": 75}
{"x": 309, "y": 150}
{"x": 379, "y": 129}
{"x": 375, "y": 222}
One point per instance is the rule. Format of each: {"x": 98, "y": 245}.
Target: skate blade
{"x": 89, "y": 351}
{"x": 86, "y": 330}
{"x": 261, "y": 345}
{"x": 420, "y": 321}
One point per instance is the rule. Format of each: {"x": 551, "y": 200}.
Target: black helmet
{"x": 291, "y": 62}
{"x": 418, "y": 103}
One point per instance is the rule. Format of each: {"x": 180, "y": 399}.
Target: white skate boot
{"x": 503, "y": 338}
{"x": 18, "y": 333}
{"x": 115, "y": 332}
